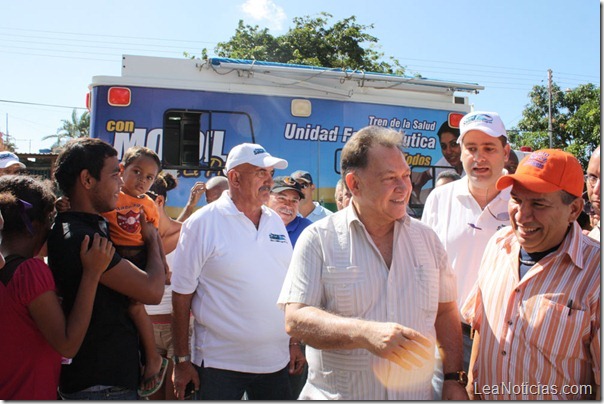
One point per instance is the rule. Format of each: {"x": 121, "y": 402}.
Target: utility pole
{"x": 549, "y": 120}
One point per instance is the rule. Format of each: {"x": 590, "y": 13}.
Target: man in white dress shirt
{"x": 370, "y": 290}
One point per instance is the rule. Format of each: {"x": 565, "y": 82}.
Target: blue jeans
{"x": 220, "y": 384}
{"x": 110, "y": 393}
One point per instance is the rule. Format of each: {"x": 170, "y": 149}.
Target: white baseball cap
{"x": 253, "y": 154}
{"x": 8, "y": 159}
{"x": 486, "y": 122}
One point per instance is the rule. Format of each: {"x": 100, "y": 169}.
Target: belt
{"x": 466, "y": 329}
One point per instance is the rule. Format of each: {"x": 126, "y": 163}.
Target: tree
{"x": 311, "y": 42}
{"x": 77, "y": 127}
{"x": 575, "y": 121}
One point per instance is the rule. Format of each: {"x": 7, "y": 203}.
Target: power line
{"x": 39, "y": 104}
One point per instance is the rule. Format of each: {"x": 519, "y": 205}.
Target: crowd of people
{"x": 263, "y": 293}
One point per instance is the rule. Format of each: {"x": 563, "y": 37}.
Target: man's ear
{"x": 576, "y": 207}
{"x": 507, "y": 150}
{"x": 234, "y": 178}
{"x": 352, "y": 182}
{"x": 86, "y": 179}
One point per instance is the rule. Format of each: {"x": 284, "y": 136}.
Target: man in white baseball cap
{"x": 234, "y": 254}
{"x": 10, "y": 164}
{"x": 254, "y": 154}
{"x": 467, "y": 212}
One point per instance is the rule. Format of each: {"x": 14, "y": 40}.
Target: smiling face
{"x": 450, "y": 148}
{"x": 540, "y": 220}
{"x": 105, "y": 190}
{"x": 483, "y": 158}
{"x": 139, "y": 175}
{"x": 382, "y": 189}
{"x": 285, "y": 203}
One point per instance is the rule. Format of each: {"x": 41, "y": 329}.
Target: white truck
{"x": 192, "y": 112}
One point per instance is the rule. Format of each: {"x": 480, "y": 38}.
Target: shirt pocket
{"x": 426, "y": 288}
{"x": 556, "y": 330}
{"x": 344, "y": 290}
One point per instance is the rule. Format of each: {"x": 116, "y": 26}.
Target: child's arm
{"x": 66, "y": 335}
{"x": 198, "y": 189}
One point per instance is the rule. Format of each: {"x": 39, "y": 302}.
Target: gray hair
{"x": 354, "y": 153}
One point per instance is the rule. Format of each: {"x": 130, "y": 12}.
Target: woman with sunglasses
{"x": 35, "y": 334}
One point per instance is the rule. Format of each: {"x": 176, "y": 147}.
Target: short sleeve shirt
{"x": 109, "y": 354}
{"x": 337, "y": 267}
{"x": 124, "y": 221}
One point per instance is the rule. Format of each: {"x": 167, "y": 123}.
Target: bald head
{"x": 215, "y": 187}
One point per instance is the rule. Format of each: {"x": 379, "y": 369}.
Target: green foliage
{"x": 575, "y": 121}
{"x": 311, "y": 41}
{"x": 77, "y": 127}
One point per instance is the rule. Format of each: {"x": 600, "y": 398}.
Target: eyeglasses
{"x": 283, "y": 199}
{"x": 303, "y": 184}
{"x": 152, "y": 195}
{"x": 592, "y": 180}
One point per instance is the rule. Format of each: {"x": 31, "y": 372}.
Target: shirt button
{"x": 509, "y": 322}
{"x": 503, "y": 353}
{"x": 517, "y": 290}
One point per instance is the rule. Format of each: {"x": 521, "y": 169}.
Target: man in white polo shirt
{"x": 467, "y": 212}
{"x": 230, "y": 263}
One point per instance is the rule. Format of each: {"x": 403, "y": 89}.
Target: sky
{"x": 49, "y": 51}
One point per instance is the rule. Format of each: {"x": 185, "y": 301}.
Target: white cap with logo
{"x": 8, "y": 159}
{"x": 486, "y": 122}
{"x": 254, "y": 154}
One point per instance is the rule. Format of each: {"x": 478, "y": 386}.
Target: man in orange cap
{"x": 535, "y": 308}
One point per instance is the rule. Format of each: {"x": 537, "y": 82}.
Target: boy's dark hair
{"x": 139, "y": 151}
{"x": 78, "y": 155}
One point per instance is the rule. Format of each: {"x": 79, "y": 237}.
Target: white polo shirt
{"x": 236, "y": 272}
{"x": 464, "y": 228}
{"x": 319, "y": 212}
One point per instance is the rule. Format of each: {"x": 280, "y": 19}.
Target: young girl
{"x": 139, "y": 168}
{"x": 34, "y": 332}
{"x": 161, "y": 314}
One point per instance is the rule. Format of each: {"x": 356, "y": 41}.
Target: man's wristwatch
{"x": 181, "y": 359}
{"x": 460, "y": 377}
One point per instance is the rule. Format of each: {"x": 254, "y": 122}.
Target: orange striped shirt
{"x": 539, "y": 336}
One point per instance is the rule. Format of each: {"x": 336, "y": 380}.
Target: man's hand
{"x": 296, "y": 359}
{"x": 401, "y": 345}
{"x": 183, "y": 374}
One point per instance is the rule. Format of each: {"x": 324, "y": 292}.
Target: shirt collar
{"x": 352, "y": 217}
{"x": 463, "y": 190}
{"x": 572, "y": 245}
{"x": 226, "y": 206}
